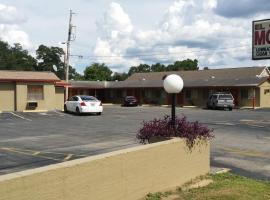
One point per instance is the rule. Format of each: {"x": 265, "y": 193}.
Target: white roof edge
{"x": 265, "y": 72}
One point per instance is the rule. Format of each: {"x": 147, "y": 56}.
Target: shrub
{"x": 190, "y": 131}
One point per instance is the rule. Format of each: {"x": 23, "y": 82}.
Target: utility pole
{"x": 67, "y": 54}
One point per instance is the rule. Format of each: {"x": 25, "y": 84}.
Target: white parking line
{"x": 247, "y": 120}
{"x": 255, "y": 125}
{"x": 62, "y": 114}
{"x": 20, "y": 116}
{"x": 224, "y": 123}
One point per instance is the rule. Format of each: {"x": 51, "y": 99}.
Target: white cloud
{"x": 10, "y": 30}
{"x": 188, "y": 29}
{"x": 10, "y": 15}
{"x": 116, "y": 31}
{"x": 115, "y": 22}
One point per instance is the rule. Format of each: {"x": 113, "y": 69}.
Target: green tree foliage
{"x": 139, "y": 68}
{"x": 158, "y": 67}
{"x": 15, "y": 58}
{"x": 184, "y": 65}
{"x": 48, "y": 57}
{"x": 97, "y": 72}
{"x": 77, "y": 77}
{"x": 52, "y": 56}
{"x": 119, "y": 76}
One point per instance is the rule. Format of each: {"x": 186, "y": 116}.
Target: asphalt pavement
{"x": 29, "y": 140}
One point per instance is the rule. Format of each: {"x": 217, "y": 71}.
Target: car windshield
{"x": 88, "y": 98}
{"x": 130, "y": 98}
{"x": 225, "y": 96}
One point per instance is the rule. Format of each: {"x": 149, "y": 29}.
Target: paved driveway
{"x": 29, "y": 140}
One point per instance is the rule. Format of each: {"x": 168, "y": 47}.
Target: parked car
{"x": 130, "y": 101}
{"x": 220, "y": 100}
{"x": 83, "y": 104}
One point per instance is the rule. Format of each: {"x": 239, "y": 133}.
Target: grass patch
{"x": 226, "y": 186}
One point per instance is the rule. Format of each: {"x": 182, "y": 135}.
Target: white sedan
{"x": 83, "y": 104}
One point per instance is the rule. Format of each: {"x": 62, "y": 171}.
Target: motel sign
{"x": 261, "y": 39}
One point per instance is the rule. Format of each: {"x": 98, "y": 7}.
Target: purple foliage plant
{"x": 192, "y": 132}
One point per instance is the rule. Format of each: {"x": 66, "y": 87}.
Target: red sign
{"x": 261, "y": 39}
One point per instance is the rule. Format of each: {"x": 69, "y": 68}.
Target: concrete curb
{"x": 190, "y": 107}
{"x": 217, "y": 170}
{"x": 34, "y": 111}
{"x": 249, "y": 108}
{"x": 201, "y": 183}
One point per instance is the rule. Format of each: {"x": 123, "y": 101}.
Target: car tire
{"x": 65, "y": 109}
{"x": 78, "y": 112}
{"x": 214, "y": 107}
{"x": 99, "y": 113}
{"x": 230, "y": 109}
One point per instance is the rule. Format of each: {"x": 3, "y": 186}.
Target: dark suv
{"x": 220, "y": 100}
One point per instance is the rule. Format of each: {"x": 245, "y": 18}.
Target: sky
{"x": 125, "y": 33}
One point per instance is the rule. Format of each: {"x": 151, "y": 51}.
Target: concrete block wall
{"x": 122, "y": 175}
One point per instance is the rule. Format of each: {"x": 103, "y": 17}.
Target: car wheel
{"x": 214, "y": 107}
{"x": 78, "y": 112}
{"x": 230, "y": 109}
{"x": 65, "y": 109}
{"x": 99, "y": 113}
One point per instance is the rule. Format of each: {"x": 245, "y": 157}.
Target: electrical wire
{"x": 160, "y": 53}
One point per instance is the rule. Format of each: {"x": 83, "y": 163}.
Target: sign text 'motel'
{"x": 261, "y": 39}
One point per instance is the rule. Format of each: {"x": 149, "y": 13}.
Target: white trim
{"x": 268, "y": 69}
{"x": 263, "y": 73}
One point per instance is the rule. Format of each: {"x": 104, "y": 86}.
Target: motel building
{"x": 249, "y": 86}
{"x": 42, "y": 91}
{"x": 29, "y": 91}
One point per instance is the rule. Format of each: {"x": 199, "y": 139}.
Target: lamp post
{"x": 173, "y": 84}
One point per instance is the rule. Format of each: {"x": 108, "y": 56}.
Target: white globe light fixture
{"x": 173, "y": 84}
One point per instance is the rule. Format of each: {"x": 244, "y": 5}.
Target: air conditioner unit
{"x": 32, "y": 105}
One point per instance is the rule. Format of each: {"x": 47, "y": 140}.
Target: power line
{"x": 163, "y": 54}
{"x": 160, "y": 53}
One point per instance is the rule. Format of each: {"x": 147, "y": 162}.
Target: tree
{"x": 184, "y": 65}
{"x": 48, "y": 57}
{"x": 119, "y": 76}
{"x": 158, "y": 67}
{"x": 77, "y": 77}
{"x": 97, "y": 72}
{"x": 15, "y": 58}
{"x": 139, "y": 68}
{"x": 52, "y": 56}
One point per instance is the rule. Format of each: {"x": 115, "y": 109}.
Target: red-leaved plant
{"x": 192, "y": 132}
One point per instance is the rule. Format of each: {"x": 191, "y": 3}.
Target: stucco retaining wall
{"x": 126, "y": 174}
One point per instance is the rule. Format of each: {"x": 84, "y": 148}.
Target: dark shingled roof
{"x": 228, "y": 77}
{"x": 246, "y": 76}
{"x": 88, "y": 84}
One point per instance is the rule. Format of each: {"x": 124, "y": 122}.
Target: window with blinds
{"x": 35, "y": 92}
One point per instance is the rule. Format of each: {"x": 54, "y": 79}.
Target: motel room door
{"x": 235, "y": 93}
{"x": 180, "y": 99}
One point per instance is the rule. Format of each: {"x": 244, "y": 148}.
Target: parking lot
{"x": 29, "y": 140}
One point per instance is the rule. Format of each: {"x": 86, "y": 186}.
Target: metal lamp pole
{"x": 173, "y": 109}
